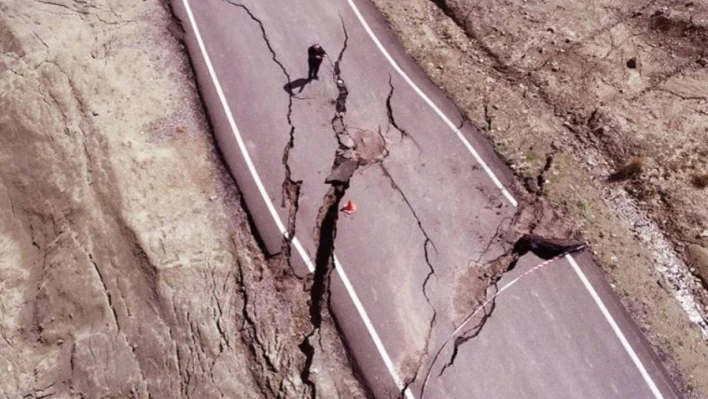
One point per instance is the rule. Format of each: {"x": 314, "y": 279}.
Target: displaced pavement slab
{"x": 419, "y": 220}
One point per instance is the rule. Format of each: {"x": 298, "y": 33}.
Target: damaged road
{"x": 434, "y": 236}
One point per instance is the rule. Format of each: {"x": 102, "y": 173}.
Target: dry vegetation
{"x": 631, "y": 169}
{"x": 617, "y": 94}
{"x": 700, "y": 181}
{"x": 127, "y": 266}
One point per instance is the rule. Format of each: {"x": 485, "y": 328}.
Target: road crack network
{"x": 391, "y": 117}
{"x": 326, "y": 230}
{"x": 493, "y": 279}
{"x": 428, "y": 243}
{"x": 492, "y": 272}
{"x": 291, "y": 189}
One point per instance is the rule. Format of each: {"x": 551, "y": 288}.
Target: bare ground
{"x": 615, "y": 93}
{"x": 127, "y": 265}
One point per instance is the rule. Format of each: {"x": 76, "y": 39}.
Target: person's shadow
{"x": 296, "y": 84}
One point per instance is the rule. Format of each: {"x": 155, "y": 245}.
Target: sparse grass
{"x": 700, "y": 180}
{"x": 481, "y": 84}
{"x": 582, "y": 206}
{"x": 532, "y": 156}
{"x": 500, "y": 146}
{"x": 629, "y": 170}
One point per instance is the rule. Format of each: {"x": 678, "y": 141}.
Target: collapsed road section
{"x": 402, "y": 275}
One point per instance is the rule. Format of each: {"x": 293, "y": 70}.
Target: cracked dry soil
{"x": 597, "y": 86}
{"x": 106, "y": 284}
{"x": 127, "y": 264}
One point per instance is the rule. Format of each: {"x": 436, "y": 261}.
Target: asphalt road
{"x": 559, "y": 332}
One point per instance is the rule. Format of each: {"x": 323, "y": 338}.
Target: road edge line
{"x": 279, "y": 223}
{"x": 615, "y": 328}
{"x": 618, "y": 332}
{"x": 377, "y": 340}
{"x": 432, "y": 105}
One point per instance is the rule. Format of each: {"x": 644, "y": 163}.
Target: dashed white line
{"x": 630, "y": 351}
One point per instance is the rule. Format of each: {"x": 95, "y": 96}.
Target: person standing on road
{"x": 315, "y": 55}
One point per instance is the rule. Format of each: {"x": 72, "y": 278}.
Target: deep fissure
{"x": 494, "y": 270}
{"x": 326, "y": 230}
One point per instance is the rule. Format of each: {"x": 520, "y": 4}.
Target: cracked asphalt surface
{"x": 428, "y": 215}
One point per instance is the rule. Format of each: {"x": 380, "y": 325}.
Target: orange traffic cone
{"x": 349, "y": 208}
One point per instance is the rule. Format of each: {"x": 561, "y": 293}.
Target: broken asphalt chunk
{"x": 342, "y": 172}
{"x": 545, "y": 248}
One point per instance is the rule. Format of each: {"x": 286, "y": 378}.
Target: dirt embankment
{"x": 127, "y": 267}
{"x": 616, "y": 94}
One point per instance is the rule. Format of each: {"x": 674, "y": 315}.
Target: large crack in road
{"x": 428, "y": 242}
{"x": 346, "y": 162}
{"x": 291, "y": 189}
{"x": 326, "y": 225}
{"x": 344, "y": 165}
{"x": 391, "y": 117}
{"x": 528, "y": 219}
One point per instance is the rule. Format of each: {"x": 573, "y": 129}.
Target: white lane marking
{"x": 432, "y": 105}
{"x": 350, "y": 289}
{"x": 279, "y": 223}
{"x": 377, "y": 340}
{"x": 615, "y": 328}
{"x": 239, "y": 140}
{"x": 504, "y": 191}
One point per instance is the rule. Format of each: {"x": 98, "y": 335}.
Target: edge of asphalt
{"x": 618, "y": 313}
{"x": 271, "y": 237}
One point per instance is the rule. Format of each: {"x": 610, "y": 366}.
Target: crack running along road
{"x": 259, "y": 184}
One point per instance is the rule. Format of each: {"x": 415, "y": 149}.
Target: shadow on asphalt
{"x": 296, "y": 84}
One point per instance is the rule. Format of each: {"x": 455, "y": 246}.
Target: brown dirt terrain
{"x": 127, "y": 266}
{"x": 616, "y": 94}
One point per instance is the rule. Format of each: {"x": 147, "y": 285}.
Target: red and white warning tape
{"x": 489, "y": 300}
{"x": 512, "y": 282}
